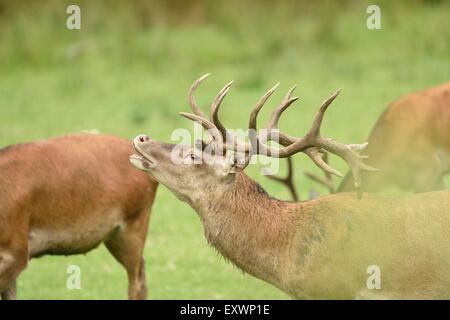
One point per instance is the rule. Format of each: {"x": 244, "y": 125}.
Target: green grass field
{"x": 127, "y": 71}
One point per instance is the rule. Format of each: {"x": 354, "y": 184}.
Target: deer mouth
{"x": 140, "y": 160}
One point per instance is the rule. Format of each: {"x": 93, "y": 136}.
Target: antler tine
{"x": 252, "y": 123}
{"x": 328, "y": 181}
{"x": 317, "y": 157}
{"x": 215, "y": 110}
{"x": 210, "y": 127}
{"x": 195, "y": 108}
{"x": 276, "y": 114}
{"x": 315, "y": 128}
{"x": 359, "y": 147}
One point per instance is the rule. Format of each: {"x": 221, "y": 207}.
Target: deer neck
{"x": 249, "y": 228}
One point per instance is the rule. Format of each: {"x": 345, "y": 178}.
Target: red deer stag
{"x": 321, "y": 248}
{"x": 67, "y": 195}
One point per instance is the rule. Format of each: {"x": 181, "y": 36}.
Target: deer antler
{"x": 288, "y": 181}
{"x": 216, "y": 131}
{"x": 194, "y": 106}
{"x": 311, "y": 143}
{"x": 327, "y": 182}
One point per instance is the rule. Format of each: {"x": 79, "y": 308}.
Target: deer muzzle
{"x": 142, "y": 160}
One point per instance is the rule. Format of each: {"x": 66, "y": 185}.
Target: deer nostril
{"x": 143, "y": 138}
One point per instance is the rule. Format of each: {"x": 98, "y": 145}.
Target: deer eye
{"x": 190, "y": 158}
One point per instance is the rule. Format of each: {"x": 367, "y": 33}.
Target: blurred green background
{"x": 128, "y": 69}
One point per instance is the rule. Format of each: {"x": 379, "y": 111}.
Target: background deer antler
{"x": 288, "y": 180}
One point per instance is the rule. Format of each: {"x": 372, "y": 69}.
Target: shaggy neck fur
{"x": 322, "y": 248}
{"x": 249, "y": 228}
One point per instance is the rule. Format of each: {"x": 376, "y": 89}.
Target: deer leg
{"x": 127, "y": 249}
{"x": 127, "y": 246}
{"x": 10, "y": 293}
{"x": 10, "y": 267}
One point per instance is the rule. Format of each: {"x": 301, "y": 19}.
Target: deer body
{"x": 322, "y": 248}
{"x": 410, "y": 143}
{"x": 314, "y": 249}
{"x": 54, "y": 199}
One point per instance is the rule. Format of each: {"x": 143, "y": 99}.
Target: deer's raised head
{"x": 213, "y": 164}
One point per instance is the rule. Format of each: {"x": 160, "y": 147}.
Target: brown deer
{"x": 321, "y": 248}
{"x": 67, "y": 195}
{"x": 410, "y": 144}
